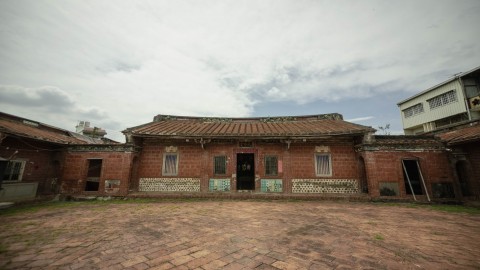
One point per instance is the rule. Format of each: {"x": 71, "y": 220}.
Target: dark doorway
{"x": 411, "y": 168}
{"x": 462, "y": 174}
{"x": 245, "y": 172}
{"x": 363, "y": 175}
{"x": 93, "y": 174}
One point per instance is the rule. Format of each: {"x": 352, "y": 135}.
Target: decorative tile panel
{"x": 170, "y": 184}
{"x": 271, "y": 185}
{"x": 219, "y": 185}
{"x": 325, "y": 186}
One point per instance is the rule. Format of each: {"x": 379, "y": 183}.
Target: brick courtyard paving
{"x": 238, "y": 235}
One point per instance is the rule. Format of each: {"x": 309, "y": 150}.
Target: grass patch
{"x": 378, "y": 237}
{"x": 3, "y": 248}
{"x": 455, "y": 209}
{"x": 32, "y": 208}
{"x": 437, "y": 207}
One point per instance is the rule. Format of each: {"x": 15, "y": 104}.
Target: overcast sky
{"x": 119, "y": 63}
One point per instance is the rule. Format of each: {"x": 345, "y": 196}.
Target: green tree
{"x": 385, "y": 129}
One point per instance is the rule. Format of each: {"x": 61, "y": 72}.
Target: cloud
{"x": 48, "y": 97}
{"x": 226, "y": 58}
{"x": 52, "y": 105}
{"x": 359, "y": 119}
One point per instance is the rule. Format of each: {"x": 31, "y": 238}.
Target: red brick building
{"x": 463, "y": 144}
{"x": 97, "y": 170}
{"x": 306, "y": 154}
{"x": 34, "y": 157}
{"x": 303, "y": 155}
{"x": 40, "y": 159}
{"x": 295, "y": 156}
{"x": 414, "y": 167}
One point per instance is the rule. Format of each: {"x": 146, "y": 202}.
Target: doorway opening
{"x": 93, "y": 175}
{"x": 462, "y": 173}
{"x": 245, "y": 171}
{"x": 412, "y": 177}
{"x": 363, "y": 175}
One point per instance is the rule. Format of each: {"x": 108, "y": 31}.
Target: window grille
{"x": 413, "y": 110}
{"x": 170, "y": 164}
{"x": 271, "y": 165}
{"x": 220, "y": 165}
{"x": 443, "y": 99}
{"x": 323, "y": 165}
{"x": 14, "y": 170}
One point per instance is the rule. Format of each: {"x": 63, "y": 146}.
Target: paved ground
{"x": 239, "y": 235}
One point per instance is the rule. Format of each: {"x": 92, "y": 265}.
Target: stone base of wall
{"x": 338, "y": 186}
{"x": 170, "y": 184}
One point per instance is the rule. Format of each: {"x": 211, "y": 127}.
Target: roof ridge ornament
{"x": 163, "y": 117}
{"x": 217, "y": 119}
{"x": 278, "y": 119}
{"x": 330, "y": 116}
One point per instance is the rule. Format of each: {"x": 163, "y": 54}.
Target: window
{"x": 413, "y": 110}
{"x": 271, "y": 165}
{"x": 170, "y": 164}
{"x": 323, "y": 165}
{"x": 220, "y": 165}
{"x": 14, "y": 171}
{"x": 443, "y": 99}
{"x": 471, "y": 88}
{"x": 472, "y": 91}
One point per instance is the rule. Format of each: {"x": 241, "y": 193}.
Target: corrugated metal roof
{"x": 289, "y": 126}
{"x": 462, "y": 135}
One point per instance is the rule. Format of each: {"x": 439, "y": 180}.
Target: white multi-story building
{"x": 449, "y": 103}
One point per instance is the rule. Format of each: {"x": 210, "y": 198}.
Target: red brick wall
{"x": 190, "y": 158}
{"x": 344, "y": 161}
{"x": 386, "y": 166}
{"x": 195, "y": 162}
{"x": 115, "y": 166}
{"x": 43, "y": 161}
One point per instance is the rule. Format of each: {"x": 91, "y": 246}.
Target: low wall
{"x": 18, "y": 191}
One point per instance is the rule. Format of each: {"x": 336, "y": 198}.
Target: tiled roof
{"x": 402, "y": 143}
{"x": 406, "y": 140}
{"x": 462, "y": 135}
{"x": 290, "y": 126}
{"x": 21, "y": 127}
